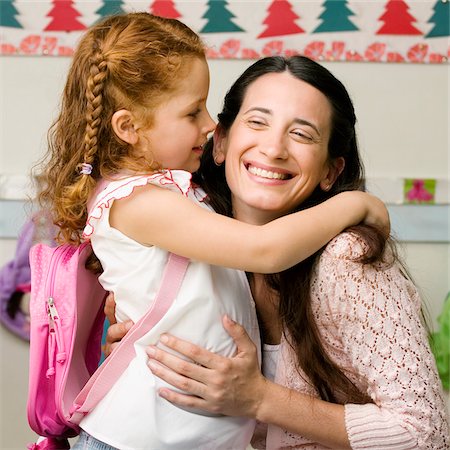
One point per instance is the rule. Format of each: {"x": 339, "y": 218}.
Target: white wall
{"x": 403, "y": 132}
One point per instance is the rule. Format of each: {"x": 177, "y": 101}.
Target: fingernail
{"x": 164, "y": 338}
{"x": 229, "y": 320}
{"x": 152, "y": 364}
{"x": 151, "y": 351}
{"x": 162, "y": 393}
{"x": 128, "y": 325}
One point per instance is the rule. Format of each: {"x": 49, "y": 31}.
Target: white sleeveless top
{"x": 132, "y": 415}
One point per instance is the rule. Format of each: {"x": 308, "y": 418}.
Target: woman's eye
{"x": 256, "y": 122}
{"x": 301, "y": 135}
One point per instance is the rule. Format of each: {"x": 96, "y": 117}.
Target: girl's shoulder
{"x": 122, "y": 186}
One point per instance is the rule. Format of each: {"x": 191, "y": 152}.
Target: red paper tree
{"x": 64, "y": 17}
{"x": 397, "y": 19}
{"x": 164, "y": 8}
{"x": 281, "y": 20}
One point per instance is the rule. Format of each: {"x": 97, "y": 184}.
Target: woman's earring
{"x": 216, "y": 163}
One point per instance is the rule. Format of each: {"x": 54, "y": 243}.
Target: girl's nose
{"x": 210, "y": 125}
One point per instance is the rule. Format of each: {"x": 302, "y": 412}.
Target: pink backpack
{"x": 66, "y": 310}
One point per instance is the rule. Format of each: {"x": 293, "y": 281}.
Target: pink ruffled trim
{"x": 179, "y": 178}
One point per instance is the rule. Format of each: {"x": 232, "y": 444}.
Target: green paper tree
{"x": 441, "y": 20}
{"x": 219, "y": 18}
{"x": 8, "y": 13}
{"x": 110, "y": 7}
{"x": 335, "y": 17}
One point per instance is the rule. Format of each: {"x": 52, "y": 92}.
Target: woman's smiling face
{"x": 276, "y": 151}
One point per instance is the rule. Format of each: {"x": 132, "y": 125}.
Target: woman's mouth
{"x": 268, "y": 174}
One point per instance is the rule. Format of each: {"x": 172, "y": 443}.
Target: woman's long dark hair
{"x": 293, "y": 285}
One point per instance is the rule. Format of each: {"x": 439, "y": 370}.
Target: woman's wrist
{"x": 266, "y": 403}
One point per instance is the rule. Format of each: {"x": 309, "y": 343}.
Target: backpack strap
{"x": 107, "y": 374}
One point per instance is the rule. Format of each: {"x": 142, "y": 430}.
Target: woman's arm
{"x": 157, "y": 216}
{"x": 236, "y": 387}
{"x": 375, "y": 312}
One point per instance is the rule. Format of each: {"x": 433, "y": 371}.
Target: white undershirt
{"x": 269, "y": 360}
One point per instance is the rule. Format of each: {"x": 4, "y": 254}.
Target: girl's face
{"x": 181, "y": 123}
{"x": 276, "y": 151}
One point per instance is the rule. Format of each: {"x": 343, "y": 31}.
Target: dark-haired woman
{"x": 346, "y": 362}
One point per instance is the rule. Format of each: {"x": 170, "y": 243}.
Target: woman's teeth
{"x": 267, "y": 173}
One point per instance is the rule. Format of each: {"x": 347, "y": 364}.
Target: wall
{"x": 403, "y": 132}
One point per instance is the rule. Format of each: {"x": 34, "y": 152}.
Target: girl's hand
{"x": 116, "y": 331}
{"x": 377, "y": 214}
{"x": 230, "y": 386}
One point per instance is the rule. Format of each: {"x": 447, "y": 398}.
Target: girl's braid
{"x": 94, "y": 95}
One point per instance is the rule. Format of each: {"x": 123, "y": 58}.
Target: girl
{"x": 129, "y": 135}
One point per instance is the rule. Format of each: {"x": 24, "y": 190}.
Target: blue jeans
{"x": 87, "y": 442}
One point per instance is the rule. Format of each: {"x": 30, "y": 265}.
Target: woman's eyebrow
{"x": 258, "y": 108}
{"x": 307, "y": 123}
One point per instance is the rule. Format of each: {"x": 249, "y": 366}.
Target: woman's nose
{"x": 275, "y": 147}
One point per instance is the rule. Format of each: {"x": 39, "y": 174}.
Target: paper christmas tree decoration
{"x": 280, "y": 20}
{"x": 397, "y": 19}
{"x": 8, "y": 13}
{"x": 164, "y": 8}
{"x": 110, "y": 7}
{"x": 335, "y": 17}
{"x": 441, "y": 19}
{"x": 219, "y": 18}
{"x": 64, "y": 17}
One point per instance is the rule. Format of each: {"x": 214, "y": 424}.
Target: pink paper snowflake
{"x": 417, "y": 53}
{"x": 314, "y": 50}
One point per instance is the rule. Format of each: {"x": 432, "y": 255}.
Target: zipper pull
{"x": 54, "y": 325}
{"x": 52, "y": 312}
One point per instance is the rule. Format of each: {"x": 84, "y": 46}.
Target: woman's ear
{"x": 334, "y": 170}
{"x": 124, "y": 127}
{"x": 219, "y": 152}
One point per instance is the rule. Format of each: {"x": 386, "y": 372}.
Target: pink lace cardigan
{"x": 370, "y": 323}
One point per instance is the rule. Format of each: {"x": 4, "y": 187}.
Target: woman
{"x": 346, "y": 362}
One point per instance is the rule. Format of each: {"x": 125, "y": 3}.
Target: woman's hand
{"x": 230, "y": 386}
{"x": 116, "y": 331}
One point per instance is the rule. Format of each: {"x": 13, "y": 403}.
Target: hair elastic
{"x": 86, "y": 169}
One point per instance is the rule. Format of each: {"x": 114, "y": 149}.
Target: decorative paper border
{"x": 408, "y": 31}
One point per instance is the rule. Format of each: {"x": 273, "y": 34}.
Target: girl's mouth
{"x": 198, "y": 149}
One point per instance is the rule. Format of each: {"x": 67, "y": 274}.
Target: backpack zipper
{"x": 55, "y": 340}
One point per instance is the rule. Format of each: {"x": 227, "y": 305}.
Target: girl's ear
{"x": 219, "y": 151}
{"x": 124, "y": 127}
{"x": 334, "y": 170}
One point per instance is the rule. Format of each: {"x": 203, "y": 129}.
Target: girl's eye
{"x": 194, "y": 113}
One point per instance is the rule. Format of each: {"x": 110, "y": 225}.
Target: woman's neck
{"x": 251, "y": 215}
